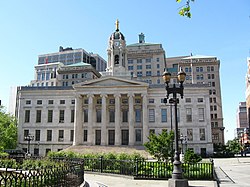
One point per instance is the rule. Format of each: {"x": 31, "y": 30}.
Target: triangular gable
{"x": 110, "y": 82}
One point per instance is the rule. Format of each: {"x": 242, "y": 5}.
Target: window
{"x": 61, "y": 116}
{"x": 212, "y": 76}
{"x": 158, "y": 73}
{"x": 151, "y": 115}
{"x": 163, "y": 115}
{"x": 211, "y": 108}
{"x": 200, "y": 100}
{"x": 85, "y": 135}
{"x": 72, "y": 117}
{"x": 139, "y": 67}
{"x": 60, "y": 135}
{"x": 148, "y": 66}
{"x": 211, "y": 100}
{"x": 86, "y": 101}
{"x": 37, "y": 135}
{"x": 201, "y": 114}
{"x": 50, "y": 116}
{"x": 27, "y": 116}
{"x": 148, "y": 73}
{"x": 138, "y": 101}
{"x": 111, "y": 101}
{"x": 139, "y": 74}
{"x": 190, "y": 134}
{"x": 139, "y": 61}
{"x": 62, "y": 102}
{"x": 125, "y": 115}
{"x": 38, "y": 116}
{"x": 208, "y": 76}
{"x": 85, "y": 115}
{"x": 212, "y": 68}
{"x": 72, "y": 101}
{"x": 215, "y": 107}
{"x": 137, "y": 115}
{"x": 208, "y": 69}
{"x": 189, "y": 114}
{"x": 188, "y": 100}
{"x": 28, "y": 102}
{"x": 151, "y": 101}
{"x": 49, "y": 135}
{"x": 130, "y": 67}
{"x": 39, "y": 102}
{"x": 98, "y": 115}
{"x": 214, "y": 92}
{"x": 50, "y": 102}
{"x": 25, "y": 134}
{"x": 158, "y": 66}
{"x": 157, "y": 59}
{"x": 99, "y": 101}
{"x": 71, "y": 138}
{"x": 148, "y": 59}
{"x": 214, "y": 99}
{"x": 151, "y": 131}
{"x": 111, "y": 115}
{"x": 138, "y": 135}
{"x": 130, "y": 61}
{"x": 124, "y": 101}
{"x": 36, "y": 152}
{"x": 213, "y": 84}
{"x": 202, "y": 134}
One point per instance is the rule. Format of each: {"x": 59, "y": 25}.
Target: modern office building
{"x": 119, "y": 108}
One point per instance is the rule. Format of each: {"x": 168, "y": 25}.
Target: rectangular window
{"x": 148, "y": 66}
{"x": 202, "y": 134}
{"x": 137, "y": 115}
{"x": 50, "y": 116}
{"x": 112, "y": 115}
{"x": 50, "y": 102}
{"x": 71, "y": 135}
{"x": 148, "y": 73}
{"x": 99, "y": 101}
{"x": 130, "y": 67}
{"x": 164, "y": 115}
{"x": 85, "y": 135}
{"x": 27, "y": 116}
{"x": 137, "y": 101}
{"x": 138, "y": 135}
{"x": 38, "y": 116}
{"x": 49, "y": 135}
{"x": 85, "y": 115}
{"x": 37, "y": 135}
{"x": 125, "y": 115}
{"x": 62, "y": 102}
{"x": 139, "y": 61}
{"x": 86, "y": 101}
{"x": 139, "y": 74}
{"x": 189, "y": 114}
{"x": 60, "y": 135}
{"x": 151, "y": 115}
{"x": 130, "y": 61}
{"x": 124, "y": 101}
{"x": 98, "y": 115}
{"x": 201, "y": 114}
{"x": 148, "y": 59}
{"x": 190, "y": 134}
{"x": 39, "y": 102}
{"x": 200, "y": 100}
{"x": 28, "y": 102}
{"x": 72, "y": 117}
{"x": 139, "y": 67}
{"x": 61, "y": 116}
{"x": 188, "y": 100}
{"x": 151, "y": 101}
{"x": 112, "y": 101}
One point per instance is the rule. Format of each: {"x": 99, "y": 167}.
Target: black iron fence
{"x": 142, "y": 169}
{"x": 70, "y": 173}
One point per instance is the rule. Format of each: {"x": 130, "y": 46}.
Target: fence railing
{"x": 71, "y": 173}
{"x": 142, "y": 169}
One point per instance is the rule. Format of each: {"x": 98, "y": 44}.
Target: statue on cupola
{"x": 117, "y": 53}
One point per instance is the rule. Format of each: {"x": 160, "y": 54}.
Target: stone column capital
{"x": 104, "y": 95}
{"x": 130, "y": 94}
{"x": 117, "y": 95}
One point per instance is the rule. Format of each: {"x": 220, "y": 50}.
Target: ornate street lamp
{"x": 29, "y": 138}
{"x": 177, "y": 179}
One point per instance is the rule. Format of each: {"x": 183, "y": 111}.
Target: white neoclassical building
{"x": 120, "y": 108}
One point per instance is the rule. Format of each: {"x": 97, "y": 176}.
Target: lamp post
{"x": 177, "y": 179}
{"x": 29, "y": 138}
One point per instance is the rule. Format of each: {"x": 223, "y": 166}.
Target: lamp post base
{"x": 177, "y": 183}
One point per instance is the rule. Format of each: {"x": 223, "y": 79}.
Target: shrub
{"x": 191, "y": 158}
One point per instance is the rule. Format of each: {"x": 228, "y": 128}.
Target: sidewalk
{"x": 102, "y": 180}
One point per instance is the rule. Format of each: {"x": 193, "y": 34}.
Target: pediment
{"x": 111, "y": 82}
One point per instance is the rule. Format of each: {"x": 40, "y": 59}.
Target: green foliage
{"x": 185, "y": 10}
{"x": 191, "y": 158}
{"x": 233, "y": 146}
{"x": 8, "y": 130}
{"x": 159, "y": 146}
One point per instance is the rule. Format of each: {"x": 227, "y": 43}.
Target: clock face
{"x": 117, "y": 43}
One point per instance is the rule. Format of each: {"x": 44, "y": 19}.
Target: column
{"x": 90, "y": 119}
{"x": 117, "y": 120}
{"x": 78, "y": 126}
{"x": 145, "y": 118}
{"x": 131, "y": 116}
{"x": 104, "y": 120}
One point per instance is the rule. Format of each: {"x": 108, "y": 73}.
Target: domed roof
{"x": 117, "y": 34}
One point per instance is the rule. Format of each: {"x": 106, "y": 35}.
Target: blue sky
{"x": 217, "y": 28}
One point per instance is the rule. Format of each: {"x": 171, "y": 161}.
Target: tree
{"x": 8, "y": 130}
{"x": 185, "y": 10}
{"x": 160, "y": 146}
{"x": 191, "y": 158}
{"x": 234, "y": 146}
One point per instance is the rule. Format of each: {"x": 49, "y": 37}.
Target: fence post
{"x": 136, "y": 167}
{"x": 101, "y": 163}
{"x": 212, "y": 161}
